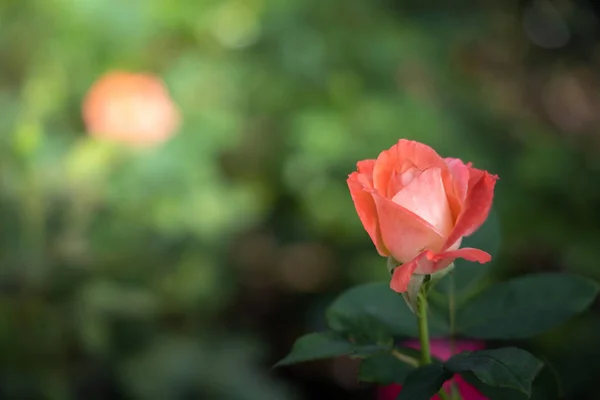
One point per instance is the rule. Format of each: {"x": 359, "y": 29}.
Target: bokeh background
{"x": 184, "y": 270}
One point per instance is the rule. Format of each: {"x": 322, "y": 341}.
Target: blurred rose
{"x": 130, "y": 108}
{"x": 417, "y": 207}
{"x": 441, "y": 349}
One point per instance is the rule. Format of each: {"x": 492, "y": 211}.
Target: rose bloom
{"x": 440, "y": 348}
{"x": 130, "y": 108}
{"x": 417, "y": 206}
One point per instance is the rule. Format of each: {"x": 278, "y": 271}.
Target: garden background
{"x": 184, "y": 271}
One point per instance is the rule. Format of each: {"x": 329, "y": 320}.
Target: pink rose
{"x": 440, "y": 348}
{"x": 417, "y": 206}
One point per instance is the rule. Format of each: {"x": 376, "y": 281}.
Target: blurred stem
{"x": 455, "y": 394}
{"x": 443, "y": 395}
{"x": 405, "y": 358}
{"x": 424, "y": 335}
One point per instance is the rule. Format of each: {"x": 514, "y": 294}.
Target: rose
{"x": 441, "y": 349}
{"x": 417, "y": 206}
{"x": 130, "y": 108}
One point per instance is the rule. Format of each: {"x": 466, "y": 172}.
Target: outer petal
{"x": 468, "y": 253}
{"x": 458, "y": 185}
{"x": 420, "y": 156}
{"x": 426, "y": 197}
{"x": 428, "y": 262}
{"x": 477, "y": 205}
{"x": 365, "y": 168}
{"x": 442, "y": 260}
{"x": 404, "y": 233}
{"x": 366, "y": 210}
{"x": 402, "y": 274}
{"x": 460, "y": 174}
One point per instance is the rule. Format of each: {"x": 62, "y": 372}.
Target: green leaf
{"x": 316, "y": 346}
{"x": 525, "y": 306}
{"x": 366, "y": 330}
{"x": 375, "y": 306}
{"x": 507, "y": 367}
{"x": 362, "y": 350}
{"x": 545, "y": 387}
{"x": 383, "y": 369}
{"x": 424, "y": 382}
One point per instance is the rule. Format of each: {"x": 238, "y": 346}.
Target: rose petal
{"x": 420, "y": 155}
{"x": 400, "y": 179}
{"x": 458, "y": 186}
{"x": 365, "y": 168}
{"x": 477, "y": 205}
{"x": 460, "y": 174}
{"x": 366, "y": 210}
{"x": 404, "y": 233}
{"x": 402, "y": 274}
{"x": 426, "y": 197}
{"x": 442, "y": 260}
{"x": 431, "y": 263}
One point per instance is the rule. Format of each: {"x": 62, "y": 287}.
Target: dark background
{"x": 186, "y": 271}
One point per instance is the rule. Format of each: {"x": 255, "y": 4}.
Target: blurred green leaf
{"x": 175, "y": 367}
{"x": 381, "y": 308}
{"x": 424, "y": 382}
{"x": 544, "y": 387}
{"x": 506, "y": 367}
{"x": 525, "y": 306}
{"x": 316, "y": 346}
{"x": 321, "y": 345}
{"x": 383, "y": 369}
{"x": 367, "y": 330}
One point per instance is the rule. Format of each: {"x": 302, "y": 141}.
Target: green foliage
{"x": 380, "y": 307}
{"x": 525, "y": 306}
{"x": 315, "y": 346}
{"x": 500, "y": 368}
{"x": 506, "y": 367}
{"x": 545, "y": 387}
{"x": 172, "y": 369}
{"x": 383, "y": 369}
{"x": 424, "y": 382}
{"x": 368, "y": 316}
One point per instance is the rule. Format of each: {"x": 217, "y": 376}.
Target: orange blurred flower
{"x": 130, "y": 108}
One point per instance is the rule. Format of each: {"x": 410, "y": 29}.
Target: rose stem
{"x": 424, "y": 336}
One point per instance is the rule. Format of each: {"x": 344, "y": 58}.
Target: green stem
{"x": 443, "y": 395}
{"x": 424, "y": 336}
{"x": 423, "y": 329}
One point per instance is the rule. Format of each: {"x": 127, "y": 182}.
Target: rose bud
{"x": 417, "y": 206}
